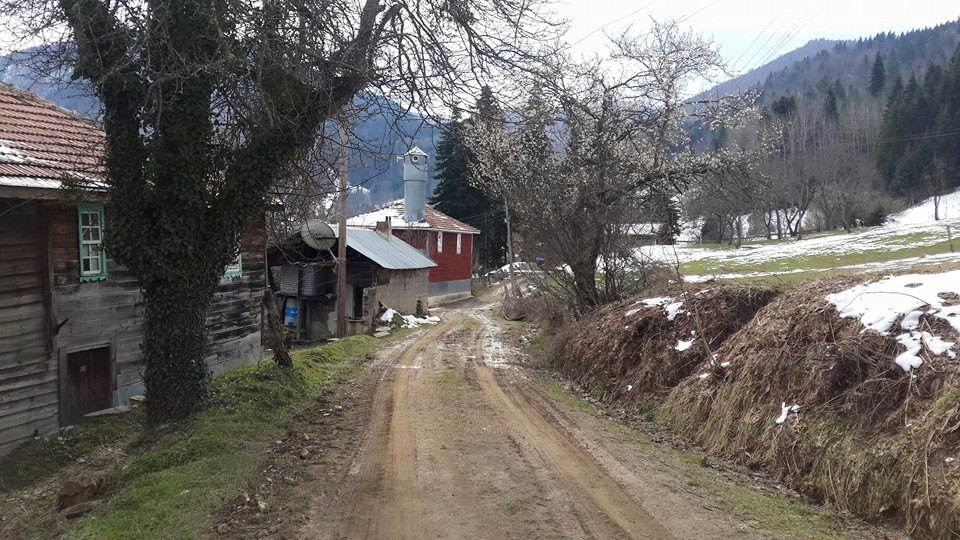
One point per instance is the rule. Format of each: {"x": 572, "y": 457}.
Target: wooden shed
{"x": 382, "y": 271}
{"x": 70, "y": 317}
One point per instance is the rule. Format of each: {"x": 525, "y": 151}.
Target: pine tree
{"x": 455, "y": 194}
{"x": 831, "y": 108}
{"x": 878, "y": 77}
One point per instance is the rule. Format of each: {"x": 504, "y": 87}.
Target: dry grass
{"x": 868, "y": 437}
{"x": 633, "y": 344}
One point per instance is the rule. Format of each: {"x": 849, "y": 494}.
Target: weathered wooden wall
{"x": 112, "y": 310}
{"x": 28, "y": 374}
{"x": 46, "y": 313}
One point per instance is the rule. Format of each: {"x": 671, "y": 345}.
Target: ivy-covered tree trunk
{"x": 175, "y": 342}
{"x": 181, "y": 192}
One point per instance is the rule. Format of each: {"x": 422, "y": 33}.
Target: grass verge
{"x": 167, "y": 481}
{"x": 758, "y": 507}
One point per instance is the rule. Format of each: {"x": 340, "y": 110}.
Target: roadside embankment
{"x": 847, "y": 392}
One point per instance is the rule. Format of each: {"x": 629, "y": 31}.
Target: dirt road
{"x": 461, "y": 442}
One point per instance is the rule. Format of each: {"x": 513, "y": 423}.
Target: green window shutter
{"x": 93, "y": 260}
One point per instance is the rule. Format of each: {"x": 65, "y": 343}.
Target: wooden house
{"x": 447, "y": 241}
{"x": 382, "y": 271}
{"x": 70, "y": 317}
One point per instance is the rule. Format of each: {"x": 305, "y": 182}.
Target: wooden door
{"x": 89, "y": 386}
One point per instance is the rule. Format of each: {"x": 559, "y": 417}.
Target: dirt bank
{"x": 864, "y": 435}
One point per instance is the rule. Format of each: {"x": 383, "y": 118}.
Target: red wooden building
{"x": 447, "y": 241}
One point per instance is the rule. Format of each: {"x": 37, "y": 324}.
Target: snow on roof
{"x": 416, "y": 151}
{"x": 879, "y": 305}
{"x": 40, "y": 143}
{"x": 433, "y": 220}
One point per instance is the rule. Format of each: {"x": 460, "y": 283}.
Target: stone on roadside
{"x": 77, "y": 488}
{"x": 80, "y": 509}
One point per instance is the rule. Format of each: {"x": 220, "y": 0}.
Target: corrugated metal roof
{"x": 393, "y": 253}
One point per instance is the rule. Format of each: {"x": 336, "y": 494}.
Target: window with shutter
{"x": 93, "y": 260}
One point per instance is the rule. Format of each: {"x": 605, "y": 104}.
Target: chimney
{"x": 383, "y": 227}
{"x": 414, "y": 184}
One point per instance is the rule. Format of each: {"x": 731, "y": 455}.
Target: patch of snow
{"x": 673, "y": 310}
{"x": 704, "y": 376}
{"x": 785, "y": 410}
{"x": 915, "y": 227}
{"x": 683, "y": 345}
{"x": 671, "y": 307}
{"x": 629, "y": 387}
{"x": 724, "y": 364}
{"x": 409, "y": 321}
{"x": 412, "y": 321}
{"x": 880, "y": 304}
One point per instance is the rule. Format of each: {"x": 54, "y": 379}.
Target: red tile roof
{"x": 433, "y": 219}
{"x": 41, "y": 142}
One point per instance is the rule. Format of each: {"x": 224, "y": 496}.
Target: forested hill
{"x": 386, "y": 130}
{"x": 849, "y": 62}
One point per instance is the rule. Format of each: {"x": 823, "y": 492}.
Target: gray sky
{"x": 777, "y": 27}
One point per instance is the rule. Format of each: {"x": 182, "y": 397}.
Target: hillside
{"x": 848, "y": 61}
{"x": 385, "y": 130}
{"x": 909, "y": 240}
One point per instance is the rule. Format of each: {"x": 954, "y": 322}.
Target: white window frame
{"x": 459, "y": 242}
{"x": 439, "y": 241}
{"x": 91, "y": 245}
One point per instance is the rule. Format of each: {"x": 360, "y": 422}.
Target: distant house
{"x": 70, "y": 317}
{"x": 382, "y": 271}
{"x": 447, "y": 241}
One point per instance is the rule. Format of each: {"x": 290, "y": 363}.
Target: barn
{"x": 70, "y": 317}
{"x": 447, "y": 241}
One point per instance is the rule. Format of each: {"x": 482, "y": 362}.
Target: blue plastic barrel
{"x": 290, "y": 314}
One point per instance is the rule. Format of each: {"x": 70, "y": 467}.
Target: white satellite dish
{"x": 317, "y": 234}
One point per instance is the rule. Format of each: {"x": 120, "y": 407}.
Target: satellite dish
{"x": 317, "y": 234}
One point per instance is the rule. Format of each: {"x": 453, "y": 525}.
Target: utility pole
{"x": 342, "y": 236}
{"x": 506, "y": 209}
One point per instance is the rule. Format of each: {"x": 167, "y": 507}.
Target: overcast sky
{"x": 752, "y": 32}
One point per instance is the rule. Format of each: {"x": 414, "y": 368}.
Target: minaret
{"x": 414, "y": 184}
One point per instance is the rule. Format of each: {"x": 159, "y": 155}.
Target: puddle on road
{"x": 496, "y": 353}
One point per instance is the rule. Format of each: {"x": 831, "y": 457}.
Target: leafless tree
{"x": 617, "y": 141}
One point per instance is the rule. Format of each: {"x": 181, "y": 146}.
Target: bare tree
{"x": 618, "y": 141}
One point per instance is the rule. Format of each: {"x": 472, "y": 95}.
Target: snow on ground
{"x": 496, "y": 353}
{"x": 409, "y": 321}
{"x": 671, "y": 307}
{"x": 912, "y": 228}
{"x": 881, "y": 304}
